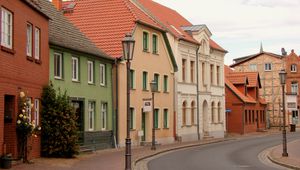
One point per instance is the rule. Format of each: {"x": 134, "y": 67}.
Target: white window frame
{"x": 37, "y": 43}
{"x": 37, "y": 111}
{"x": 6, "y": 28}
{"x": 90, "y": 72}
{"x": 253, "y": 67}
{"x": 75, "y": 69}
{"x": 29, "y": 40}
{"x": 91, "y": 115}
{"x": 268, "y": 66}
{"x": 102, "y": 74}
{"x": 104, "y": 116}
{"x": 293, "y": 68}
{"x": 294, "y": 87}
{"x": 60, "y": 67}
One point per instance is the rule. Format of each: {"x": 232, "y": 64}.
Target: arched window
{"x": 184, "y": 113}
{"x": 219, "y": 112}
{"x": 193, "y": 113}
{"x": 212, "y": 112}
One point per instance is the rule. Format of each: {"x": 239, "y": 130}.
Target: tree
{"x": 59, "y": 134}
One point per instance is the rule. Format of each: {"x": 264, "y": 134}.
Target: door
{"x": 9, "y": 131}
{"x": 78, "y": 107}
{"x": 144, "y": 125}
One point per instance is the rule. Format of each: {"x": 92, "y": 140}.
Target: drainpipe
{"x": 197, "y": 74}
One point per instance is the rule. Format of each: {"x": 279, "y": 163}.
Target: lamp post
{"x": 153, "y": 85}
{"x": 282, "y": 76}
{"x": 128, "y": 48}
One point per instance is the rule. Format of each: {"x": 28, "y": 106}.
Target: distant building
{"x": 268, "y": 66}
{"x": 245, "y": 109}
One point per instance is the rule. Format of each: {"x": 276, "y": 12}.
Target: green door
{"x": 144, "y": 125}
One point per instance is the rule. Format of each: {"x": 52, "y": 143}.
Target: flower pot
{"x": 6, "y": 162}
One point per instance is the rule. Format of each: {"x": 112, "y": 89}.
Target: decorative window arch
{"x": 184, "y": 113}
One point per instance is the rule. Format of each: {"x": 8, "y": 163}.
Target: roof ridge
{"x": 126, "y": 2}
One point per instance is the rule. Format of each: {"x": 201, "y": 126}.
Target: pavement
{"x": 113, "y": 159}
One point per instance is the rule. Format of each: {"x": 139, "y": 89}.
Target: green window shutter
{"x": 165, "y": 83}
{"x": 145, "y": 41}
{"x": 156, "y": 118}
{"x": 145, "y": 75}
{"x": 165, "y": 118}
{"x": 156, "y": 79}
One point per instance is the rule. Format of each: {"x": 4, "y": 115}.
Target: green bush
{"x": 59, "y": 133}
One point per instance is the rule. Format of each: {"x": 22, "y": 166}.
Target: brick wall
{"x": 17, "y": 73}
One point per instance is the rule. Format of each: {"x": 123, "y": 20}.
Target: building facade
{"x": 268, "y": 66}
{"x": 245, "y": 109}
{"x": 24, "y": 60}
{"x": 78, "y": 67}
{"x": 152, "y": 60}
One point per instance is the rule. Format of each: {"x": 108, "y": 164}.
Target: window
{"x": 246, "y": 117}
{"x": 165, "y": 83}
{"x": 75, "y": 69}
{"x": 145, "y": 41}
{"x": 192, "y": 71}
{"x": 193, "y": 113}
{"x": 184, "y": 113}
{"x": 102, "y": 74}
{"x": 155, "y": 45}
{"x": 293, "y": 68}
{"x": 294, "y": 87}
{"x": 218, "y": 76}
{"x": 132, "y": 79}
{"x": 253, "y": 116}
{"x": 166, "y": 122}
{"x": 156, "y": 79}
{"x": 37, "y": 36}
{"x": 249, "y": 116}
{"x": 104, "y": 115}
{"x": 253, "y": 67}
{"x": 29, "y": 40}
{"x": 90, "y": 72}
{"x": 183, "y": 69}
{"x": 212, "y": 74}
{"x": 6, "y": 28}
{"x": 145, "y": 80}
{"x": 156, "y": 118}
{"x": 219, "y": 112}
{"x": 37, "y": 111}
{"x": 203, "y": 73}
{"x": 58, "y": 65}
{"x": 213, "y": 112}
{"x": 132, "y": 120}
{"x": 268, "y": 66}
{"x": 91, "y": 111}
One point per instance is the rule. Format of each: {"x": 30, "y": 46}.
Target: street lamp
{"x": 128, "y": 48}
{"x": 282, "y": 76}
{"x": 153, "y": 86}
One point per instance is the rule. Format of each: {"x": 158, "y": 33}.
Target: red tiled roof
{"x": 173, "y": 21}
{"x": 247, "y": 99}
{"x": 227, "y": 70}
{"x": 237, "y": 79}
{"x": 253, "y": 78}
{"x": 106, "y": 22}
{"x": 262, "y": 100}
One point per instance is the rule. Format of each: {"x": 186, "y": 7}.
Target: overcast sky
{"x": 240, "y": 26}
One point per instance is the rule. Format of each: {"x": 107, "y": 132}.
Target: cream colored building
{"x": 268, "y": 65}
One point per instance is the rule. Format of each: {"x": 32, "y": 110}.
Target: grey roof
{"x": 34, "y": 4}
{"x": 64, "y": 34}
{"x": 193, "y": 28}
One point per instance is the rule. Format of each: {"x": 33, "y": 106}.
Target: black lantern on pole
{"x": 153, "y": 86}
{"x": 282, "y": 76}
{"x": 128, "y": 48}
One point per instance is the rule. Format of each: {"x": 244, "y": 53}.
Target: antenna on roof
{"x": 283, "y": 52}
{"x": 261, "y": 48}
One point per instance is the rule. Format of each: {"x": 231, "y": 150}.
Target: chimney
{"x": 57, "y": 4}
{"x": 283, "y": 52}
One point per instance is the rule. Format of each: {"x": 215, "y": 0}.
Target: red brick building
{"x": 24, "y": 66}
{"x": 245, "y": 110}
{"x": 292, "y": 86}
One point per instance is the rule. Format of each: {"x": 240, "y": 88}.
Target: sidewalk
{"x": 292, "y": 161}
{"x": 113, "y": 159}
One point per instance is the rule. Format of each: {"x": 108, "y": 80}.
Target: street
{"x": 230, "y": 155}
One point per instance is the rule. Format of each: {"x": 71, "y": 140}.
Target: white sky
{"x": 240, "y": 26}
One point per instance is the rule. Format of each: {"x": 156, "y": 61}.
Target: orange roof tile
{"x": 262, "y": 100}
{"x": 227, "y": 70}
{"x": 240, "y": 95}
{"x": 253, "y": 78}
{"x": 107, "y": 22}
{"x": 237, "y": 79}
{"x": 216, "y": 46}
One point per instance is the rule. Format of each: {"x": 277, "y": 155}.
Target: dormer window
{"x": 293, "y": 68}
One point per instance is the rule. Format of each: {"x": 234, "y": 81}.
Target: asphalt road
{"x": 230, "y": 155}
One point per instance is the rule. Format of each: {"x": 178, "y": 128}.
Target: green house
{"x": 85, "y": 72}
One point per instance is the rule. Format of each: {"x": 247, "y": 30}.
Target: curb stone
{"x": 279, "y": 162}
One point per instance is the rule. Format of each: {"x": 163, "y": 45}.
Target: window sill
{"x": 166, "y": 92}
{"x": 103, "y": 85}
{"x": 155, "y": 53}
{"x": 145, "y": 90}
{"x": 166, "y": 128}
{"x": 75, "y": 81}
{"x": 132, "y": 130}
{"x": 29, "y": 58}
{"x": 146, "y": 50}
{"x": 157, "y": 128}
{"x": 58, "y": 78}
{"x": 91, "y": 84}
{"x": 133, "y": 89}
{"x": 8, "y": 50}
{"x": 37, "y": 61}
